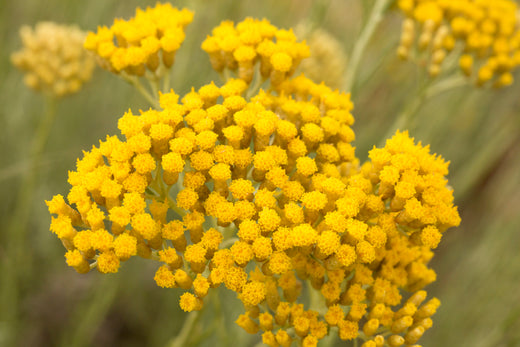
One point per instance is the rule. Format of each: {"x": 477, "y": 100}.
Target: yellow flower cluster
{"x": 265, "y": 196}
{"x": 252, "y": 40}
{"x": 147, "y": 41}
{"x": 484, "y": 33}
{"x": 53, "y": 58}
{"x": 328, "y": 60}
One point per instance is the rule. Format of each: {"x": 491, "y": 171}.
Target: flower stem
{"x": 142, "y": 90}
{"x": 182, "y": 339}
{"x": 91, "y": 312}
{"x": 154, "y": 85}
{"x": 166, "y": 82}
{"x": 475, "y": 168}
{"x": 426, "y": 92}
{"x": 17, "y": 259}
{"x": 255, "y": 86}
{"x": 376, "y": 15}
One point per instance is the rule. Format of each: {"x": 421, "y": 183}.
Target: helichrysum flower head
{"x": 265, "y": 196}
{"x": 53, "y": 58}
{"x": 239, "y": 48}
{"x": 147, "y": 41}
{"x": 483, "y": 35}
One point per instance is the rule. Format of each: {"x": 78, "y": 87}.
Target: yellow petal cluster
{"x": 483, "y": 35}
{"x": 238, "y": 48}
{"x": 147, "y": 41}
{"x": 264, "y": 195}
{"x": 53, "y": 58}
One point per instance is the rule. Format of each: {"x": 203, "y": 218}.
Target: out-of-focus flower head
{"x": 327, "y": 61}
{"x": 238, "y": 48}
{"x": 484, "y": 35}
{"x": 264, "y": 194}
{"x": 53, "y": 58}
{"x": 147, "y": 41}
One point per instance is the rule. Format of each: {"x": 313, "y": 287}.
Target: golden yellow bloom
{"x": 239, "y": 48}
{"x": 264, "y": 194}
{"x": 147, "y": 41}
{"x": 53, "y": 58}
{"x": 486, "y": 30}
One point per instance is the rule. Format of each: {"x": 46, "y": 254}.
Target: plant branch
{"x": 185, "y": 333}
{"x": 375, "y": 17}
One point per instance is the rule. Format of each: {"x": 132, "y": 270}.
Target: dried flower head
{"x": 483, "y": 34}
{"x": 53, "y": 58}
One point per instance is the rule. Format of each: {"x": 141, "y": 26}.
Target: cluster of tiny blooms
{"x": 53, "y": 58}
{"x": 146, "y": 42}
{"x": 327, "y": 61}
{"x": 265, "y": 196}
{"x": 484, "y": 35}
{"x": 252, "y": 40}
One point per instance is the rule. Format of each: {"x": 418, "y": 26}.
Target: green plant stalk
{"x": 255, "y": 86}
{"x": 426, "y": 92}
{"x": 17, "y": 261}
{"x": 154, "y": 85}
{"x": 181, "y": 340}
{"x": 142, "y": 90}
{"x": 317, "y": 303}
{"x": 166, "y": 82}
{"x": 375, "y": 17}
{"x": 318, "y": 12}
{"x": 90, "y": 313}
{"x": 472, "y": 172}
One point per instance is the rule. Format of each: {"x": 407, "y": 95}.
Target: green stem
{"x": 225, "y": 75}
{"x": 173, "y": 206}
{"x": 185, "y": 333}
{"x": 257, "y": 83}
{"x": 91, "y": 312}
{"x": 428, "y": 91}
{"x": 330, "y": 340}
{"x": 375, "y": 17}
{"x": 319, "y": 12}
{"x": 154, "y": 85}
{"x": 166, "y": 82}
{"x": 142, "y": 90}
{"x": 228, "y": 242}
{"x": 446, "y": 84}
{"x": 403, "y": 121}
{"x": 468, "y": 176}
{"x": 17, "y": 259}
{"x": 316, "y": 300}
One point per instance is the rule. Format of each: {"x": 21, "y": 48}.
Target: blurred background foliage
{"x": 478, "y": 264}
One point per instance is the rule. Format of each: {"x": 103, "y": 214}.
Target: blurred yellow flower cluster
{"x": 53, "y": 58}
{"x": 483, "y": 33}
{"x": 327, "y": 61}
{"x": 264, "y": 194}
{"x": 253, "y": 40}
{"x": 147, "y": 41}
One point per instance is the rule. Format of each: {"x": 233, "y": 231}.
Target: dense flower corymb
{"x": 147, "y": 41}
{"x": 483, "y": 33}
{"x": 265, "y": 196}
{"x": 239, "y": 48}
{"x": 53, "y": 58}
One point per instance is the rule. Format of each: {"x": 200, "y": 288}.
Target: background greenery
{"x": 478, "y": 264}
